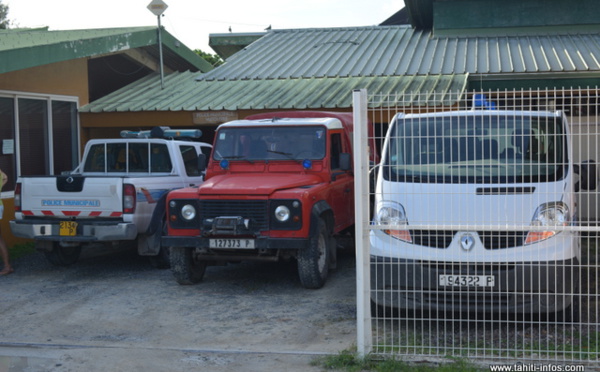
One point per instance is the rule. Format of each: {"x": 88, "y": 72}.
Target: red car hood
{"x": 255, "y": 184}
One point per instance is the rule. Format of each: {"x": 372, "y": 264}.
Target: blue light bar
{"x": 162, "y": 132}
{"x": 480, "y": 101}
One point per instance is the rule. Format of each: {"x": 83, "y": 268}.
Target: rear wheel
{"x": 185, "y": 268}
{"x": 63, "y": 256}
{"x": 313, "y": 263}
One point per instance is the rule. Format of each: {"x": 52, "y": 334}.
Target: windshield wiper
{"x": 289, "y": 155}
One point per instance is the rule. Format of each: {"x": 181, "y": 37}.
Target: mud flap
{"x": 333, "y": 253}
{"x": 149, "y": 245}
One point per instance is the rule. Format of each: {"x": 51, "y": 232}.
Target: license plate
{"x": 68, "y": 228}
{"x": 466, "y": 280}
{"x": 232, "y": 243}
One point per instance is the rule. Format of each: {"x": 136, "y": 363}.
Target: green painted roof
{"x": 227, "y": 45}
{"x": 25, "y": 48}
{"x": 183, "y": 92}
{"x": 319, "y": 68}
{"x": 402, "y": 50}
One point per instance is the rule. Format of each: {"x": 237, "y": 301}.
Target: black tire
{"x": 163, "y": 259}
{"x": 380, "y": 311}
{"x": 185, "y": 268}
{"x": 572, "y": 313}
{"x": 63, "y": 256}
{"x": 313, "y": 263}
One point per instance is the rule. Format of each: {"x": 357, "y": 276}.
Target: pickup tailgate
{"x": 72, "y": 196}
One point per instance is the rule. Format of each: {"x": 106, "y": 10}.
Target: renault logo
{"x": 467, "y": 242}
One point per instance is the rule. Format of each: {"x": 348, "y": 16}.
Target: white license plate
{"x": 466, "y": 280}
{"x": 232, "y": 243}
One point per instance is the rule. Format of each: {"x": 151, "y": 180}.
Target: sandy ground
{"x": 112, "y": 311}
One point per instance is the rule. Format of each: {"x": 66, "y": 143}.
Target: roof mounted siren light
{"x": 480, "y": 102}
{"x": 162, "y": 132}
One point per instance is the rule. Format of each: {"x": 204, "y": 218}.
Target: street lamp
{"x": 158, "y": 7}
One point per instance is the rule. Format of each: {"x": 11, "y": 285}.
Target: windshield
{"x": 476, "y": 149}
{"x": 270, "y": 143}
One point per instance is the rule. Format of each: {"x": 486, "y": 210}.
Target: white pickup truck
{"x": 115, "y": 195}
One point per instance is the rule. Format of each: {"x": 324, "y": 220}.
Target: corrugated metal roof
{"x": 183, "y": 92}
{"x": 401, "y": 50}
{"x": 25, "y": 48}
{"x": 318, "y": 68}
{"x": 27, "y": 38}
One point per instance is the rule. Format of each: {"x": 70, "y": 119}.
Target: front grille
{"x": 491, "y": 239}
{"x": 502, "y": 239}
{"x": 255, "y": 211}
{"x": 432, "y": 238}
{"x": 474, "y": 301}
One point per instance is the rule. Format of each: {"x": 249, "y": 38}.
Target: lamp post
{"x": 158, "y": 7}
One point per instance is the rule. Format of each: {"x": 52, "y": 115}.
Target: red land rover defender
{"x": 278, "y": 186}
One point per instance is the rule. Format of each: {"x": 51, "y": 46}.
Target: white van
{"x": 469, "y": 207}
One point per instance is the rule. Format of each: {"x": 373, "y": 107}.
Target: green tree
{"x": 4, "y": 21}
{"x": 213, "y": 59}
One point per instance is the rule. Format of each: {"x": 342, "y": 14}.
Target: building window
{"x": 65, "y": 136}
{"x": 33, "y": 137}
{"x": 7, "y": 141}
{"x": 39, "y": 135}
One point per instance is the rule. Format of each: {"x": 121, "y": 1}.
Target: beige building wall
{"x": 69, "y": 78}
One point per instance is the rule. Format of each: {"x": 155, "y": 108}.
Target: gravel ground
{"x": 112, "y": 311}
{"x": 510, "y": 338}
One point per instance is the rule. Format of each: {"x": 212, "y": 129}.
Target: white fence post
{"x": 361, "y": 212}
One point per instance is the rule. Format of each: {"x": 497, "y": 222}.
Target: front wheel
{"x": 63, "y": 256}
{"x": 185, "y": 268}
{"x": 313, "y": 263}
{"x": 572, "y": 314}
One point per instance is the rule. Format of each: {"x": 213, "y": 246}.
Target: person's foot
{"x": 6, "y": 271}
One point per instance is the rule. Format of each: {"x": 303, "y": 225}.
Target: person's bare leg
{"x": 4, "y": 254}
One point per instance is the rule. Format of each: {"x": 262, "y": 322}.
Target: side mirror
{"x": 202, "y": 162}
{"x": 587, "y": 175}
{"x": 345, "y": 161}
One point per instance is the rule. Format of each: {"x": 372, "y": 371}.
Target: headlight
{"x": 188, "y": 212}
{"x": 392, "y": 215}
{"x": 548, "y": 214}
{"x": 285, "y": 214}
{"x": 282, "y": 213}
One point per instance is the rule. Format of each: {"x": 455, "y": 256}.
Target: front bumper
{"x": 86, "y": 232}
{"x": 261, "y": 243}
{"x": 524, "y": 287}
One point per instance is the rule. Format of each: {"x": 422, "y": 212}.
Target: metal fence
{"x": 477, "y": 231}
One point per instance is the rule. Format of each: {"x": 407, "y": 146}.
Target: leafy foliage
{"x": 213, "y": 59}
{"x": 4, "y": 21}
